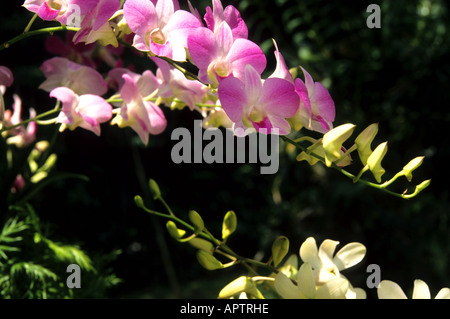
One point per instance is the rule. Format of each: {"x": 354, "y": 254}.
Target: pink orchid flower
{"x": 317, "y": 109}
{"x": 218, "y": 55}
{"x": 81, "y": 79}
{"x": 173, "y": 84}
{"x": 20, "y": 136}
{"x": 161, "y": 29}
{"x": 144, "y": 117}
{"x": 87, "y": 111}
{"x": 230, "y": 15}
{"x": 59, "y": 10}
{"x": 95, "y": 25}
{"x": 6, "y": 78}
{"x": 259, "y": 104}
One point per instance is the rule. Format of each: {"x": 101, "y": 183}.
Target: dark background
{"x": 397, "y": 76}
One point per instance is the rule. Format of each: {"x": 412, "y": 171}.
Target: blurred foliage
{"x": 397, "y": 75}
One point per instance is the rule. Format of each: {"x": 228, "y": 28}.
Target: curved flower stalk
{"x": 160, "y": 29}
{"x": 390, "y": 290}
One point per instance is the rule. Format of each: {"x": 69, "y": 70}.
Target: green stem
{"x": 28, "y": 27}
{"x": 341, "y": 170}
{"x": 34, "y": 119}
{"x": 29, "y": 34}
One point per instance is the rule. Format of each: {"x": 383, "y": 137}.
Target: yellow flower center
{"x": 157, "y": 36}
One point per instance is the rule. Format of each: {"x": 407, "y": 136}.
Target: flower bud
{"x": 208, "y": 261}
{"x": 197, "y": 221}
{"x": 174, "y": 231}
{"x": 229, "y": 224}
{"x": 241, "y": 284}
{"x": 280, "y": 248}
{"x": 374, "y": 161}
{"x": 364, "y": 141}
{"x": 154, "y": 188}
{"x": 333, "y": 140}
{"x": 202, "y": 244}
{"x": 139, "y": 201}
{"x": 411, "y": 166}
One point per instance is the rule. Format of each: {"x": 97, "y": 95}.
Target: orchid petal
{"x": 140, "y": 15}
{"x": 390, "y": 290}
{"x": 421, "y": 290}
{"x": 349, "y": 255}
{"x": 233, "y": 97}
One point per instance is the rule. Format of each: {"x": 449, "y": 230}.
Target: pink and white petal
{"x": 129, "y": 92}
{"x": 233, "y": 97}
{"x": 279, "y": 98}
{"x": 140, "y": 42}
{"x": 164, "y": 50}
{"x": 302, "y": 92}
{"x": 33, "y": 5}
{"x": 202, "y": 48}
{"x": 245, "y": 52}
{"x": 281, "y": 70}
{"x": 47, "y": 13}
{"x": 140, "y": 15}
{"x": 6, "y": 76}
{"x": 236, "y": 23}
{"x": 224, "y": 39}
{"x": 147, "y": 83}
{"x": 95, "y": 107}
{"x": 164, "y": 10}
{"x": 158, "y": 122}
{"x": 68, "y": 97}
{"x": 309, "y": 82}
{"x": 264, "y": 126}
{"x": 106, "y": 9}
{"x": 179, "y": 27}
{"x": 322, "y": 103}
{"x": 280, "y": 124}
{"x": 209, "y": 19}
{"x": 253, "y": 85}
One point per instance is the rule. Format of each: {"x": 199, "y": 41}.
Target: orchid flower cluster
{"x": 228, "y": 89}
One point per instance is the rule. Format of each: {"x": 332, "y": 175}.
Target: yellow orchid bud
{"x": 197, "y": 221}
{"x": 229, "y": 224}
{"x": 208, "y": 261}
{"x": 202, "y": 244}
{"x": 411, "y": 166}
{"x": 364, "y": 141}
{"x": 241, "y": 284}
{"x": 154, "y": 188}
{"x": 280, "y": 248}
{"x": 315, "y": 148}
{"x": 333, "y": 140}
{"x": 374, "y": 161}
{"x": 139, "y": 201}
{"x": 174, "y": 231}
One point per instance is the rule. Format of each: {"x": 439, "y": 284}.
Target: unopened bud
{"x": 364, "y": 141}
{"x": 411, "y": 166}
{"x": 154, "y": 188}
{"x": 229, "y": 224}
{"x": 241, "y": 284}
{"x": 174, "y": 231}
{"x": 139, "y": 201}
{"x": 280, "y": 248}
{"x": 202, "y": 244}
{"x": 208, "y": 261}
{"x": 197, "y": 221}
{"x": 374, "y": 161}
{"x": 333, "y": 140}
